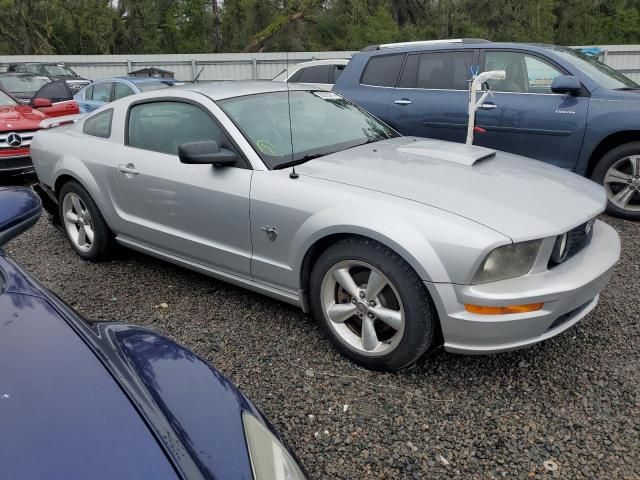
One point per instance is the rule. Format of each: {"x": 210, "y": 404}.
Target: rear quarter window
{"x": 382, "y": 70}
{"x": 99, "y": 125}
{"x": 314, "y": 74}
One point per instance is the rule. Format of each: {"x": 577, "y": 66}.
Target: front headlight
{"x": 508, "y": 261}
{"x": 270, "y": 460}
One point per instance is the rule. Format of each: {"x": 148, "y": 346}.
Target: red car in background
{"x": 19, "y": 122}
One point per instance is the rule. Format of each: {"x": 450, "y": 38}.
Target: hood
{"x": 195, "y": 398}
{"x": 516, "y": 196}
{"x": 19, "y": 117}
{"x": 56, "y": 397}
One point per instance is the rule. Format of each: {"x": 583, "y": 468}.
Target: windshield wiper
{"x": 628, "y": 88}
{"x": 306, "y": 158}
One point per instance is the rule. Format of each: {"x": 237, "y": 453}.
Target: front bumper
{"x": 15, "y": 164}
{"x": 569, "y": 292}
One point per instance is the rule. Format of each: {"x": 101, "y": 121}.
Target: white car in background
{"x": 319, "y": 73}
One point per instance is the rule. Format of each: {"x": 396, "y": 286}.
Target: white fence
{"x": 248, "y": 66}
{"x": 624, "y": 58}
{"x": 214, "y": 66}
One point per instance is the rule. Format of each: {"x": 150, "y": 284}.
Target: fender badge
{"x": 270, "y": 232}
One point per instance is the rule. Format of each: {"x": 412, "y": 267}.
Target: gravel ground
{"x": 568, "y": 408}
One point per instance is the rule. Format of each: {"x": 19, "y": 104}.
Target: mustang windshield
{"x": 601, "y": 73}
{"x": 321, "y": 123}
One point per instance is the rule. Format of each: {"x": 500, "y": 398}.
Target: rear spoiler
{"x": 58, "y": 121}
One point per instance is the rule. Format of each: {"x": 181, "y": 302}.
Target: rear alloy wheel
{"x": 86, "y": 230}
{"x": 619, "y": 172}
{"x": 77, "y": 222}
{"x": 372, "y": 305}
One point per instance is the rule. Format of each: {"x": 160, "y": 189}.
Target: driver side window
{"x": 525, "y": 73}
{"x": 165, "y": 125}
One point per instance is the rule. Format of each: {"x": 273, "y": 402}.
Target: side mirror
{"x": 19, "y": 210}
{"x": 566, "y": 84}
{"x": 206, "y": 152}
{"x": 41, "y": 103}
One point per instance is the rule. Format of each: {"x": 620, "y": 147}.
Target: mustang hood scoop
{"x": 450, "y": 152}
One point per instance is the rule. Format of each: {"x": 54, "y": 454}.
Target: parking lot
{"x": 567, "y": 408}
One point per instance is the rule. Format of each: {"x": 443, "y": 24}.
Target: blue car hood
{"x": 61, "y": 414}
{"x": 58, "y": 387}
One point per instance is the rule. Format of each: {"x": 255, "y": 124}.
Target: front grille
{"x": 16, "y": 139}
{"x": 15, "y": 164}
{"x": 577, "y": 239}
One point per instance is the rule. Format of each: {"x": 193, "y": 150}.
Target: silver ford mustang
{"x": 395, "y": 244}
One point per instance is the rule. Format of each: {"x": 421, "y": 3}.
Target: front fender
{"x": 439, "y": 246}
{"x": 403, "y": 238}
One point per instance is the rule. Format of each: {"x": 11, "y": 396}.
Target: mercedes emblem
{"x": 14, "y": 140}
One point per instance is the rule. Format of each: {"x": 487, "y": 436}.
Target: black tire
{"x": 600, "y": 171}
{"x": 104, "y": 240}
{"x": 421, "y": 321}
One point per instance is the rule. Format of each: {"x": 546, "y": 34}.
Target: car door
{"x": 62, "y": 100}
{"x": 95, "y": 96}
{"x": 527, "y": 118}
{"x": 431, "y": 97}
{"x": 194, "y": 212}
{"x": 376, "y": 84}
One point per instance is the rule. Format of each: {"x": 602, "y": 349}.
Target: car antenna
{"x": 293, "y": 175}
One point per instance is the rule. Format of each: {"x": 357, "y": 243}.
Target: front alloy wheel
{"x": 619, "y": 172}
{"x": 622, "y": 183}
{"x": 372, "y": 305}
{"x": 363, "y": 308}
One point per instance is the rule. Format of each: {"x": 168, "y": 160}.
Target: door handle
{"x": 403, "y": 101}
{"x": 128, "y": 168}
{"x": 488, "y": 106}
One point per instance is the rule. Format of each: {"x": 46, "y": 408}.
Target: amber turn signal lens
{"x": 484, "y": 310}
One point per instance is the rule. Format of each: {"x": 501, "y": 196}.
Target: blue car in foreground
{"x": 556, "y": 104}
{"x": 108, "y": 90}
{"x": 103, "y": 400}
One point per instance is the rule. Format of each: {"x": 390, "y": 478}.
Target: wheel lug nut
{"x": 353, "y": 300}
{"x": 361, "y": 294}
{"x": 370, "y": 315}
{"x": 372, "y": 303}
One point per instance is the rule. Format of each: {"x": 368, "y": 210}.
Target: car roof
{"x": 143, "y": 79}
{"x": 328, "y": 61}
{"x": 437, "y": 45}
{"x": 239, "y": 88}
